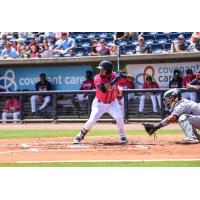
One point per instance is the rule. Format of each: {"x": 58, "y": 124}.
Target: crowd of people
{"x": 57, "y": 44}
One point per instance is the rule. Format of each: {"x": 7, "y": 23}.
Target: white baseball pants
{"x": 35, "y": 99}
{"x": 130, "y": 96}
{"x": 153, "y": 100}
{"x": 190, "y": 95}
{"x": 99, "y": 108}
{"x": 14, "y": 115}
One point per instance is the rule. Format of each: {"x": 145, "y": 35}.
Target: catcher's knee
{"x": 182, "y": 118}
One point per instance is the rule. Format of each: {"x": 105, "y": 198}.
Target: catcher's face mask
{"x": 170, "y": 102}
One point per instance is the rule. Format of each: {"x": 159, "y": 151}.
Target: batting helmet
{"x": 106, "y": 65}
{"x": 171, "y": 97}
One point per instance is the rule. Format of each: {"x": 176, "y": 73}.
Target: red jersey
{"x": 152, "y": 85}
{"x": 110, "y": 94}
{"x": 12, "y": 105}
{"x": 88, "y": 85}
{"x": 186, "y": 80}
{"x": 126, "y": 85}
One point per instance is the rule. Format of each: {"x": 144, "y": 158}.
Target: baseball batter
{"x": 186, "y": 112}
{"x": 106, "y": 84}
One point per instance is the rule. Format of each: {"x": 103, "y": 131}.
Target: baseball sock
{"x": 82, "y": 133}
{"x": 120, "y": 125}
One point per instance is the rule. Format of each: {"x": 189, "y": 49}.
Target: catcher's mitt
{"x": 150, "y": 129}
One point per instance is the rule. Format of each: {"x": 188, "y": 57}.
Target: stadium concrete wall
{"x": 68, "y": 73}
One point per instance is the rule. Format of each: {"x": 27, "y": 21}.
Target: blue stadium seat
{"x": 84, "y": 42}
{"x": 88, "y": 51}
{"x": 79, "y": 36}
{"x": 187, "y": 36}
{"x": 128, "y": 49}
{"x": 149, "y": 39}
{"x": 79, "y": 51}
{"x": 161, "y": 38}
{"x": 156, "y": 48}
{"x": 167, "y": 47}
{"x": 103, "y": 35}
{"x": 174, "y": 36}
{"x": 90, "y": 35}
{"x": 110, "y": 34}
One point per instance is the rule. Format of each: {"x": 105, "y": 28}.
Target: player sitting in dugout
{"x": 149, "y": 83}
{"x": 12, "y": 109}
{"x": 177, "y": 80}
{"x": 189, "y": 77}
{"x": 185, "y": 111}
{"x": 88, "y": 84}
{"x": 128, "y": 84}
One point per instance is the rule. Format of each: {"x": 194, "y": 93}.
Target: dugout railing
{"x": 62, "y": 108}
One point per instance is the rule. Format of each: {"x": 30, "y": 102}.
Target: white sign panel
{"x": 162, "y": 73}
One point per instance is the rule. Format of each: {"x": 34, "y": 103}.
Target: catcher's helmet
{"x": 106, "y": 65}
{"x": 171, "y": 97}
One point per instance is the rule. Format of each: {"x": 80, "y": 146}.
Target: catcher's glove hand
{"x": 150, "y": 128}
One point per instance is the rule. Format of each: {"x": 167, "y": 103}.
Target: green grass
{"x": 107, "y": 164}
{"x": 8, "y": 134}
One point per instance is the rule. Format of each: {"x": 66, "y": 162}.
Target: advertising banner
{"x": 162, "y": 72}
{"x": 61, "y": 77}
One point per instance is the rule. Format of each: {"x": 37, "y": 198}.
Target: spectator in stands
{"x": 20, "y": 45}
{"x": 149, "y": 83}
{"x": 187, "y": 79}
{"x": 128, "y": 84}
{"x": 47, "y": 52}
{"x": 102, "y": 49}
{"x": 67, "y": 45}
{"x": 14, "y": 44}
{"x": 88, "y": 84}
{"x": 42, "y": 85}
{"x": 8, "y": 51}
{"x": 113, "y": 49}
{"x": 33, "y": 43}
{"x": 24, "y": 54}
{"x": 33, "y": 51}
{"x": 131, "y": 36}
{"x": 53, "y": 43}
{"x": 194, "y": 36}
{"x": 118, "y": 35}
{"x": 40, "y": 43}
{"x": 177, "y": 80}
{"x": 12, "y": 109}
{"x": 94, "y": 48}
{"x": 179, "y": 46}
{"x": 141, "y": 48}
{"x": 195, "y": 46}
{"x": 3, "y": 41}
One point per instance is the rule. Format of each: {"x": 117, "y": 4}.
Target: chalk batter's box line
{"x": 114, "y": 161}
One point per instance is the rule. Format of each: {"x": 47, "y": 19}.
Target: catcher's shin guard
{"x": 187, "y": 127}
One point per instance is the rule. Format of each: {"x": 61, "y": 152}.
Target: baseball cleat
{"x": 77, "y": 140}
{"x": 191, "y": 140}
{"x": 123, "y": 140}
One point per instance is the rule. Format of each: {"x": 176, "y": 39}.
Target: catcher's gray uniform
{"x": 188, "y": 113}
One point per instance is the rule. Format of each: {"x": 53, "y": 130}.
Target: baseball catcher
{"x": 186, "y": 112}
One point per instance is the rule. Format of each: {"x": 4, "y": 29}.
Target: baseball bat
{"x": 118, "y": 57}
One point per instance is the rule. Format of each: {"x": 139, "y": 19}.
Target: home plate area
{"x": 97, "y": 148}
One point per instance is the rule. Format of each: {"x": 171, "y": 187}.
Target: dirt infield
{"x": 165, "y": 147}
{"x": 96, "y": 148}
